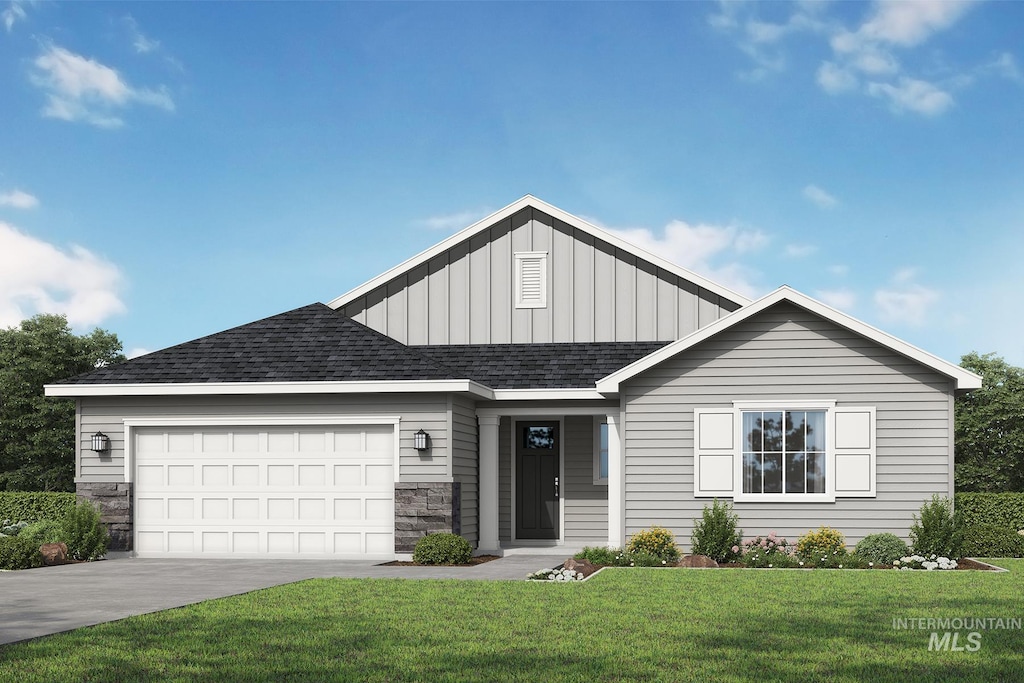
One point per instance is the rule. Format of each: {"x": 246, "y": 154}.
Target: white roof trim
{"x": 964, "y": 379}
{"x": 547, "y": 395}
{"x": 554, "y": 212}
{"x": 249, "y": 388}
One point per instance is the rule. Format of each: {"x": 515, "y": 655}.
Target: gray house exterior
{"x": 574, "y": 389}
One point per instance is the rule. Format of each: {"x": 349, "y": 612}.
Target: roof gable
{"x": 963, "y": 379}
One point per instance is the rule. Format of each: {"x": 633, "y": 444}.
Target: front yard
{"x": 623, "y": 624}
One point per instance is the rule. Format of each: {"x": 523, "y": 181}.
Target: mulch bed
{"x": 473, "y": 561}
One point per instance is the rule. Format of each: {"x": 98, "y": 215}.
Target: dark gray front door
{"x": 537, "y": 482}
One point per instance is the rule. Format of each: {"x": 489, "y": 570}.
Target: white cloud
{"x": 13, "y": 14}
{"x": 819, "y": 197}
{"x": 910, "y": 23}
{"x": 38, "y": 277}
{"x": 839, "y": 270}
{"x": 140, "y": 41}
{"x": 136, "y": 352}
{"x": 800, "y": 250}
{"x": 708, "y": 250}
{"x": 81, "y": 89}
{"x": 1005, "y": 65}
{"x": 18, "y": 200}
{"x": 835, "y": 79}
{"x": 905, "y": 301}
{"x": 453, "y": 221}
{"x": 840, "y": 299}
{"x": 913, "y": 95}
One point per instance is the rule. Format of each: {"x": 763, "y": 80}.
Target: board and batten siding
{"x": 596, "y": 292}
{"x": 417, "y": 411}
{"x": 786, "y": 353}
{"x": 464, "y": 463}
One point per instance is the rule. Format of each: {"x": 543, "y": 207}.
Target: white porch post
{"x": 616, "y": 484}
{"x": 488, "y": 484}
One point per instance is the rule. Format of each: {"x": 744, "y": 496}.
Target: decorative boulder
{"x": 698, "y": 562}
{"x": 54, "y": 553}
{"x": 584, "y": 567}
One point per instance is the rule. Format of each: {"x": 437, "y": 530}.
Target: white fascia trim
{"x": 963, "y": 379}
{"x": 263, "y": 421}
{"x": 548, "y": 395}
{"x": 554, "y": 212}
{"x": 250, "y": 388}
{"x": 775, "y": 405}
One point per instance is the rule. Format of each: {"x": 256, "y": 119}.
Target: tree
{"x": 990, "y": 427}
{"x": 37, "y": 434}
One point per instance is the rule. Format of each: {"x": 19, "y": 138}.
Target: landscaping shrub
{"x": 19, "y": 553}
{"x": 642, "y": 558}
{"x": 86, "y": 536}
{"x": 715, "y": 534}
{"x": 35, "y": 506}
{"x": 881, "y": 548}
{"x": 770, "y": 551}
{"x": 1001, "y": 509}
{"x": 599, "y": 555}
{"x": 656, "y": 541}
{"x": 46, "y": 531}
{"x": 990, "y": 540}
{"x": 442, "y": 549}
{"x": 937, "y": 531}
{"x": 824, "y": 542}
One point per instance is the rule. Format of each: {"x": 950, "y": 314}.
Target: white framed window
{"x": 600, "y": 451}
{"x": 531, "y": 273}
{"x": 796, "y": 451}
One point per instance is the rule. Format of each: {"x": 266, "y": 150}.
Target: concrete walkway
{"x": 39, "y": 602}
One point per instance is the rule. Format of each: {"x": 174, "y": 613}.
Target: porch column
{"x": 616, "y": 484}
{"x": 488, "y": 542}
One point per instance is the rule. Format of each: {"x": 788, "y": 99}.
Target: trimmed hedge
{"x": 19, "y": 553}
{"x": 992, "y": 540}
{"x": 35, "y": 506}
{"x": 1001, "y": 509}
{"x": 442, "y": 549}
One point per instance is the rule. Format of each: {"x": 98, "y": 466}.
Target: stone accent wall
{"x": 115, "y": 501}
{"x": 425, "y": 508}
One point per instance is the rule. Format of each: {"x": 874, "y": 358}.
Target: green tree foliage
{"x": 37, "y": 434}
{"x": 990, "y": 427}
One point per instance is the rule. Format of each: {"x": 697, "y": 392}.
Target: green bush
{"x": 35, "y": 506}
{"x": 715, "y": 534}
{"x": 599, "y": 555}
{"x": 937, "y": 531}
{"x": 19, "y": 553}
{"x": 992, "y": 540}
{"x": 823, "y": 543}
{"x": 881, "y": 548}
{"x": 1002, "y": 509}
{"x": 46, "y": 531}
{"x": 656, "y": 541}
{"x": 85, "y": 535}
{"x": 442, "y": 549}
{"x": 769, "y": 551}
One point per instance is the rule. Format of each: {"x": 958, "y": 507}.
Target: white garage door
{"x": 265, "y": 491}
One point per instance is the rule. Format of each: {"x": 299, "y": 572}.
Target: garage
{"x": 279, "y": 491}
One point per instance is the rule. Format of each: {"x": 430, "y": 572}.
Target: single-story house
{"x": 531, "y": 381}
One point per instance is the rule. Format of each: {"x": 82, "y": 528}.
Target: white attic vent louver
{"x": 531, "y": 279}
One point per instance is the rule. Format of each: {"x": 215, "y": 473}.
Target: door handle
{"x": 556, "y": 488}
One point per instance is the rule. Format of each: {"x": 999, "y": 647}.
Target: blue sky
{"x": 169, "y": 170}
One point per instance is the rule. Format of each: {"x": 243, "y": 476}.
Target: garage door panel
{"x": 276, "y": 491}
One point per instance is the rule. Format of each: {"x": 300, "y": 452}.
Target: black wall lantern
{"x": 100, "y": 442}
{"x": 421, "y": 440}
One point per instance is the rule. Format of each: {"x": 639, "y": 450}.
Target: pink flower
{"x": 735, "y": 549}
{"x": 771, "y": 535}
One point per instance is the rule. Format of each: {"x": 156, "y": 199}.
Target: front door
{"x": 537, "y": 470}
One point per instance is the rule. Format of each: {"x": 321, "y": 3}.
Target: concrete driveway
{"x": 39, "y": 602}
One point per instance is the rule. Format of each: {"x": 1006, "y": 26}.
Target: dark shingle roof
{"x": 309, "y": 344}
{"x": 539, "y": 366}
{"x": 318, "y": 344}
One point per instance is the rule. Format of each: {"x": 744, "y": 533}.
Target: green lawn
{"x": 624, "y": 624}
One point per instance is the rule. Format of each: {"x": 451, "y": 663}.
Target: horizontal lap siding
{"x": 586, "y": 504}
{"x": 464, "y": 463}
{"x": 427, "y": 412}
{"x": 786, "y": 353}
{"x": 596, "y": 292}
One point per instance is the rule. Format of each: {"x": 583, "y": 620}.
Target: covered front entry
{"x": 537, "y": 467}
{"x": 547, "y": 477}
